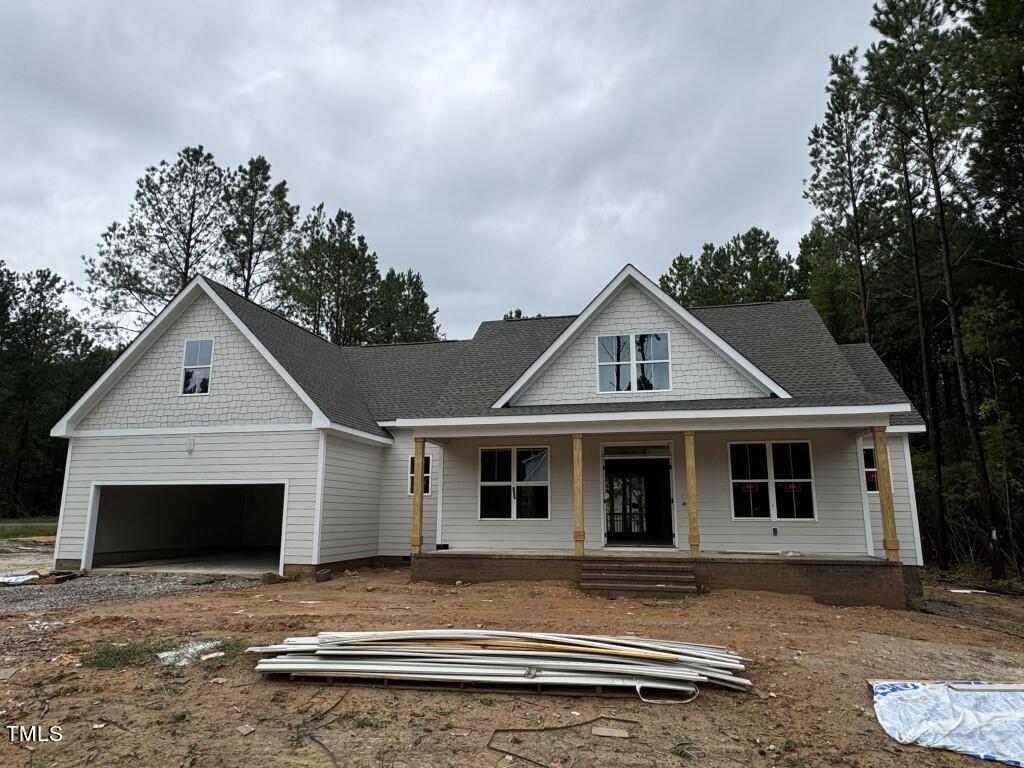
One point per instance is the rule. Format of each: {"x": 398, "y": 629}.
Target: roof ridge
{"x": 403, "y": 343}
{"x": 745, "y": 304}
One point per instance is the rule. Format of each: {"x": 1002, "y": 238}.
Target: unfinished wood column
{"x": 416, "y": 534}
{"x": 890, "y": 540}
{"x": 691, "y": 494}
{"x": 578, "y": 532}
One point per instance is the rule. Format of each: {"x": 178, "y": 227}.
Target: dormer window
{"x": 197, "y": 365}
{"x": 634, "y": 362}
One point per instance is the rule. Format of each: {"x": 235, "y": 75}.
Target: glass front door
{"x": 638, "y": 501}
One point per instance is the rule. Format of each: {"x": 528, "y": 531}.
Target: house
{"x": 740, "y": 442}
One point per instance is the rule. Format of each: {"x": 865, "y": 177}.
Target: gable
{"x": 244, "y": 388}
{"x": 698, "y": 371}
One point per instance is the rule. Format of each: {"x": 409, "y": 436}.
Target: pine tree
{"x": 401, "y": 310}
{"x": 258, "y": 221}
{"x": 173, "y": 232}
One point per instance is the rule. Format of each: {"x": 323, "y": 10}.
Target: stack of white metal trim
{"x": 493, "y": 657}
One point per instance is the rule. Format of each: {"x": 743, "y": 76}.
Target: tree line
{"x": 917, "y": 176}
{"x": 191, "y": 217}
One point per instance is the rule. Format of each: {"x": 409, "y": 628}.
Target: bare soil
{"x": 809, "y": 662}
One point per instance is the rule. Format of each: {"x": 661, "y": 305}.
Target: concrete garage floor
{"x": 220, "y": 564}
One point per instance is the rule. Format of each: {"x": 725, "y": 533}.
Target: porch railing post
{"x": 578, "y": 532}
{"x": 416, "y": 532}
{"x": 691, "y": 494}
{"x": 890, "y": 539}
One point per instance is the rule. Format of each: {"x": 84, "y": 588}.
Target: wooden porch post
{"x": 691, "y": 494}
{"x": 578, "y": 532}
{"x": 890, "y": 540}
{"x": 416, "y": 533}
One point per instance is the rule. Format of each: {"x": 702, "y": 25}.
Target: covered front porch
{"x": 786, "y": 509}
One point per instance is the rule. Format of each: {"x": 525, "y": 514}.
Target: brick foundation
{"x": 863, "y": 581}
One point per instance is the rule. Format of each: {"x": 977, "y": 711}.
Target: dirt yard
{"x": 810, "y": 705}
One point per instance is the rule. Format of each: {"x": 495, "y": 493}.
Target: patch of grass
{"x": 121, "y": 655}
{"x": 361, "y": 720}
{"x": 230, "y": 648}
{"x": 22, "y": 529}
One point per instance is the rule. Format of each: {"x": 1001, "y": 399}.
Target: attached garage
{"x": 224, "y": 528}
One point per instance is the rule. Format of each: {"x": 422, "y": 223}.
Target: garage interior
{"x": 214, "y": 529}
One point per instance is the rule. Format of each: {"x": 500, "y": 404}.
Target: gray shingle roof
{"x": 359, "y": 386}
{"x": 876, "y": 377}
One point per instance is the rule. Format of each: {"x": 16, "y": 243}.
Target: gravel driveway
{"x": 91, "y": 590}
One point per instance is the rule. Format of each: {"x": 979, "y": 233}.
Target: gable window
{"x": 771, "y": 481}
{"x": 426, "y": 474}
{"x": 514, "y": 483}
{"x": 870, "y": 471}
{"x": 197, "y": 365}
{"x": 634, "y": 362}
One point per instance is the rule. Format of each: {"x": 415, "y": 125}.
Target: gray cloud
{"x": 517, "y": 154}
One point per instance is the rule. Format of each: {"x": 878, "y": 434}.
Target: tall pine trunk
{"x": 988, "y": 507}
{"x": 924, "y": 342}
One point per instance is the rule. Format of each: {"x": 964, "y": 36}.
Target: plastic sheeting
{"x": 962, "y": 716}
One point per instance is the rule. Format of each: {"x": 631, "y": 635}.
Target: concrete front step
{"x": 640, "y": 589}
{"x": 613, "y": 565}
{"x": 655, "y": 577}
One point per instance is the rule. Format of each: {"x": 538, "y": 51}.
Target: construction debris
{"x": 496, "y": 658}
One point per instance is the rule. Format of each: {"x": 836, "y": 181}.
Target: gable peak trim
{"x": 630, "y": 274}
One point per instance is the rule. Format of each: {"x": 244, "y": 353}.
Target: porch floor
{"x": 649, "y": 553}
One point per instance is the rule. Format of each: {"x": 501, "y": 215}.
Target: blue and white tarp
{"x": 973, "y": 717}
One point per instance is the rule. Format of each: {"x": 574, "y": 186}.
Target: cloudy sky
{"x": 517, "y": 154}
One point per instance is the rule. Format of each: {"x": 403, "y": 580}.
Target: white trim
{"x": 629, "y": 272}
{"x": 772, "y": 501}
{"x": 89, "y": 541}
{"x": 185, "y": 367}
{"x": 907, "y": 428}
{"x": 440, "y": 499}
{"x": 318, "y": 503}
{"x": 720, "y": 413}
{"x": 207, "y": 430}
{"x": 319, "y": 418}
{"x": 284, "y": 531}
{"x": 632, "y": 363}
{"x": 409, "y": 476}
{"x": 141, "y": 343}
{"x": 512, "y": 482}
{"x": 672, "y": 490}
{"x": 913, "y": 502}
{"x": 869, "y": 539}
{"x": 360, "y": 435}
{"x": 63, "y": 502}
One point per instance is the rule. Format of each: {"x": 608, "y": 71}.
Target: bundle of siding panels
{"x": 489, "y": 657}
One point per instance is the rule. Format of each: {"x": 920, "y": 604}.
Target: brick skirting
{"x": 861, "y": 581}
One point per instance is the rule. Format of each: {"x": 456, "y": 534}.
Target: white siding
{"x": 351, "y": 500}
{"x": 396, "y": 502}
{"x": 698, "y": 371}
{"x": 215, "y": 458}
{"x": 244, "y": 388}
{"x": 905, "y": 527}
{"x": 839, "y": 528}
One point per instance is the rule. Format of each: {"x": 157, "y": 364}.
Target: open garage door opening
{"x": 226, "y": 529}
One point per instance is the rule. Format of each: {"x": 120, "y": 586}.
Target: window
{"x": 426, "y": 474}
{"x": 514, "y": 484}
{"x": 198, "y": 361}
{"x": 771, "y": 481}
{"x": 870, "y": 471}
{"x": 635, "y": 362}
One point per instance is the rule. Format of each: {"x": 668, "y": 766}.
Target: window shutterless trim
{"x": 864, "y": 466}
{"x": 632, "y": 362}
{"x": 426, "y": 472}
{"x": 184, "y": 367}
{"x": 771, "y": 480}
{"x": 512, "y": 482}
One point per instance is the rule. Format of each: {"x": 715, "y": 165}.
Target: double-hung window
{"x": 197, "y": 365}
{"x": 426, "y": 474}
{"x": 634, "y": 362}
{"x": 514, "y": 483}
{"x": 870, "y": 471}
{"x": 771, "y": 481}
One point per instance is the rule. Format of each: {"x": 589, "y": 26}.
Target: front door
{"x": 638, "y": 501}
